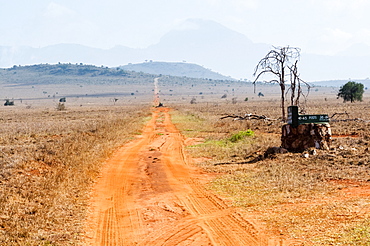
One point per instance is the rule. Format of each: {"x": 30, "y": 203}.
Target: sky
{"x": 316, "y": 26}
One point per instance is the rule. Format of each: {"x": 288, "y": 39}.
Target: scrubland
{"x": 48, "y": 162}
{"x": 49, "y": 159}
{"x": 320, "y": 200}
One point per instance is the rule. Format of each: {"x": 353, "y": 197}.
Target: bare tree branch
{"x": 282, "y": 62}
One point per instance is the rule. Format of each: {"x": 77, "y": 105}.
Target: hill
{"x": 44, "y": 84}
{"x": 175, "y": 69}
{"x": 69, "y": 74}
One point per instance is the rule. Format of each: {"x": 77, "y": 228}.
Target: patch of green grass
{"x": 230, "y": 141}
{"x": 241, "y": 135}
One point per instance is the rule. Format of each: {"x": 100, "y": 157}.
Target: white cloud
{"x": 55, "y": 10}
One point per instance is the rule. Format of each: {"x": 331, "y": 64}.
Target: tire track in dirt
{"x": 149, "y": 194}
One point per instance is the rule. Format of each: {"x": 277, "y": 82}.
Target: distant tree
{"x": 351, "y": 91}
{"x": 9, "y": 102}
{"x": 281, "y": 63}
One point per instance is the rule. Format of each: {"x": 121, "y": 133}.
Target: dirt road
{"x": 149, "y": 194}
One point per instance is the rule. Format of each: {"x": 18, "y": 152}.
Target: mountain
{"x": 210, "y": 44}
{"x": 338, "y": 83}
{"x": 196, "y": 41}
{"x": 202, "y": 42}
{"x": 175, "y": 69}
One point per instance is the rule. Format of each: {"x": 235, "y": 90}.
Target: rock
{"x": 306, "y": 155}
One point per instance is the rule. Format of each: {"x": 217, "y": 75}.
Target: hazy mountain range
{"x": 179, "y": 69}
{"x": 202, "y": 42}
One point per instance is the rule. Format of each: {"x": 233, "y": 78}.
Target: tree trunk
{"x": 282, "y": 86}
{"x": 306, "y": 136}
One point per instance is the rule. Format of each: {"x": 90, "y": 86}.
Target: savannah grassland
{"x": 319, "y": 200}
{"x": 50, "y": 158}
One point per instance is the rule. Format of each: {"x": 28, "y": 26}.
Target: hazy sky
{"x": 316, "y": 26}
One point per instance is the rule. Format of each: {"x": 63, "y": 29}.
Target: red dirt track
{"x": 149, "y": 194}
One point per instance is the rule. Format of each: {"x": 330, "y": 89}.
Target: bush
{"x": 8, "y": 103}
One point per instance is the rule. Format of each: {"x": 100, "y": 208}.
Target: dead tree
{"x": 296, "y": 90}
{"x": 281, "y": 63}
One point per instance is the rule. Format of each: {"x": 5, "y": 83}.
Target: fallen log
{"x": 248, "y": 117}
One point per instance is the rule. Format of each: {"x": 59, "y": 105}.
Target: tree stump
{"x": 305, "y": 136}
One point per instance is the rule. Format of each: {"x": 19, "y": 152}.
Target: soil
{"x": 150, "y": 194}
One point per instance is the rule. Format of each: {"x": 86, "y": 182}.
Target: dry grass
{"x": 48, "y": 161}
{"x": 303, "y": 197}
